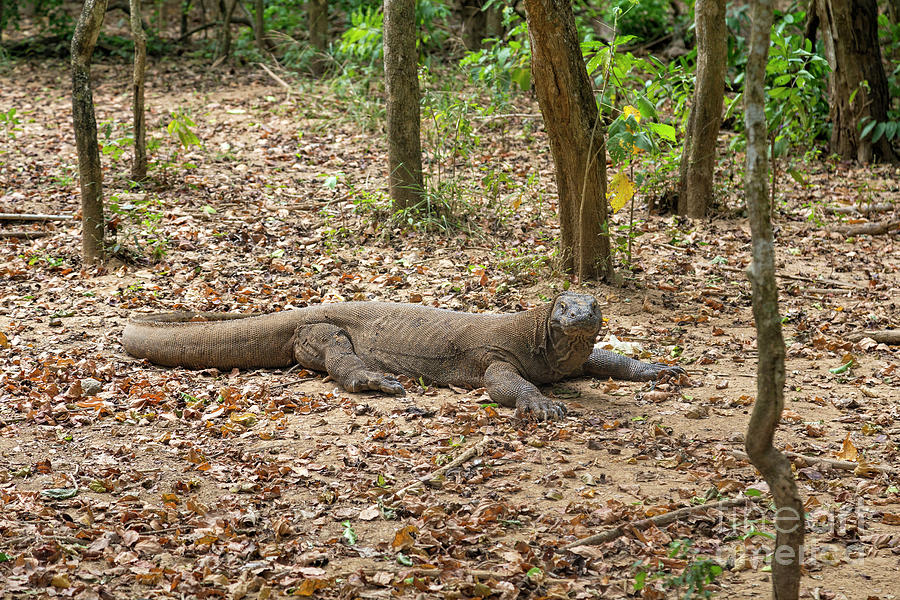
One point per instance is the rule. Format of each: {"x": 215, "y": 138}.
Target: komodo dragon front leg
{"x": 603, "y": 364}
{"x": 326, "y": 347}
{"x": 507, "y": 387}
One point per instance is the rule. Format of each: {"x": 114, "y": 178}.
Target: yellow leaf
{"x": 631, "y": 111}
{"x": 620, "y": 191}
{"x": 403, "y": 539}
{"x": 848, "y": 451}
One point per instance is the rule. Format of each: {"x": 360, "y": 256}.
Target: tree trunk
{"x": 90, "y": 177}
{"x": 2, "y": 19}
{"x": 850, "y": 32}
{"x": 401, "y": 83}
{"x": 774, "y": 466}
{"x": 573, "y": 125}
{"x": 317, "y": 13}
{"x": 474, "y": 23}
{"x": 139, "y": 166}
{"x": 259, "y": 25}
{"x": 185, "y": 13}
{"x": 227, "y": 8}
{"x": 698, "y": 160}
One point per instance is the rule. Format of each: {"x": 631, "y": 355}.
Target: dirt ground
{"x": 262, "y": 484}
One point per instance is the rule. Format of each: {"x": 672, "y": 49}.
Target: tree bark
{"x": 849, "y": 31}
{"x": 90, "y": 176}
{"x": 474, "y": 23}
{"x": 401, "y": 82}
{"x": 259, "y": 25}
{"x": 227, "y": 8}
{"x": 185, "y": 13}
{"x": 698, "y": 160}
{"x": 573, "y": 125}
{"x": 774, "y": 466}
{"x": 317, "y": 13}
{"x": 139, "y": 166}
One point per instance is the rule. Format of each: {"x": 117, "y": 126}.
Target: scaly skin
{"x": 360, "y": 344}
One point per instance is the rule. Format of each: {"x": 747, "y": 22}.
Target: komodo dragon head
{"x": 575, "y": 317}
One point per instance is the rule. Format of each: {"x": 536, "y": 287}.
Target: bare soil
{"x": 264, "y": 484}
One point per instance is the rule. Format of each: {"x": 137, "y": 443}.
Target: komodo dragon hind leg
{"x": 326, "y": 347}
{"x": 507, "y": 387}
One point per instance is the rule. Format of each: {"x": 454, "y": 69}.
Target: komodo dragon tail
{"x": 212, "y": 340}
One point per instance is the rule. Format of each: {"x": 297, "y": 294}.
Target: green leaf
{"x": 404, "y": 560}
{"x": 890, "y": 131}
{"x": 639, "y": 580}
{"x": 752, "y": 492}
{"x": 98, "y": 486}
{"x": 4, "y": 557}
{"x": 648, "y": 111}
{"x": 522, "y": 78}
{"x": 349, "y": 534}
{"x": 643, "y": 142}
{"x": 869, "y": 127}
{"x": 798, "y": 177}
{"x": 841, "y": 369}
{"x": 533, "y": 572}
{"x": 879, "y": 131}
{"x": 59, "y": 493}
{"x": 667, "y": 132}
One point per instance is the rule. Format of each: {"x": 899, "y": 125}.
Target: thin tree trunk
{"x": 567, "y": 103}
{"x": 2, "y": 19}
{"x": 850, "y": 32}
{"x": 474, "y": 23}
{"x": 227, "y": 7}
{"x": 185, "y": 13}
{"x": 317, "y": 13}
{"x": 403, "y": 121}
{"x": 774, "y": 466}
{"x": 139, "y": 166}
{"x": 259, "y": 25}
{"x": 90, "y": 176}
{"x": 698, "y": 160}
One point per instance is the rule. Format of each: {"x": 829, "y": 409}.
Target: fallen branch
{"x": 659, "y": 520}
{"x": 205, "y": 26}
{"x": 870, "y": 228}
{"x": 840, "y": 465}
{"x": 33, "y": 217}
{"x": 24, "y": 235}
{"x": 864, "y": 209}
{"x": 882, "y": 336}
{"x": 277, "y": 79}
{"x": 479, "y": 573}
{"x": 471, "y": 452}
{"x": 833, "y": 282}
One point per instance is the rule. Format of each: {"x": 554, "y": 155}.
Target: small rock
{"x": 90, "y": 386}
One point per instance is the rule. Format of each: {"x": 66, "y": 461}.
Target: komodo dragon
{"x": 358, "y": 342}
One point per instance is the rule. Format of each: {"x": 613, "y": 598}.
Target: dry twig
{"x": 470, "y": 452}
{"x": 658, "y": 520}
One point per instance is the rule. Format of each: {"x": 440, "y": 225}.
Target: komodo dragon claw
{"x": 541, "y": 409}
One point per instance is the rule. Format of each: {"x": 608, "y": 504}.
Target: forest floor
{"x": 119, "y": 479}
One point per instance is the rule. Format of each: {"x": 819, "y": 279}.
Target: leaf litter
{"x": 120, "y": 479}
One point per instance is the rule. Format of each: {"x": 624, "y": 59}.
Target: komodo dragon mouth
{"x": 356, "y": 343}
